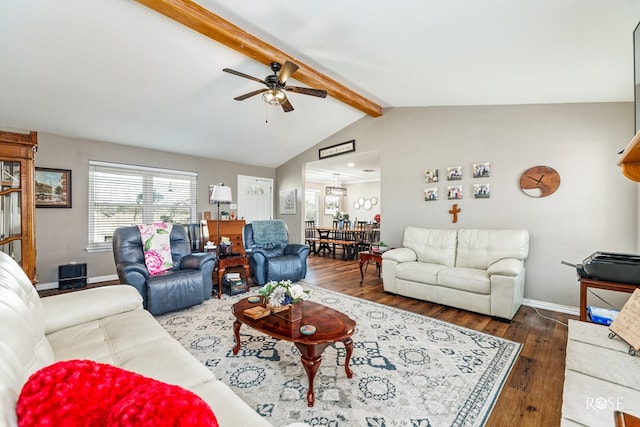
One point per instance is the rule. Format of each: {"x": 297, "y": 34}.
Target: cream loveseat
{"x": 476, "y": 270}
{"x": 106, "y": 325}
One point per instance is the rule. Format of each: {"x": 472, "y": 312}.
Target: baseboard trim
{"x": 96, "y": 279}
{"x": 551, "y": 306}
{"x": 99, "y": 279}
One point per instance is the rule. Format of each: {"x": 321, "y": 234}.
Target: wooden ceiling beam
{"x": 215, "y": 27}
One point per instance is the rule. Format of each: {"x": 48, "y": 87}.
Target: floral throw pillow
{"x": 155, "y": 244}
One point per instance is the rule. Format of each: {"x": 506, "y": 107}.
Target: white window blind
{"x": 122, "y": 195}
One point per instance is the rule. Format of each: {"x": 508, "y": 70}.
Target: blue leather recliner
{"x": 188, "y": 283}
{"x": 271, "y": 256}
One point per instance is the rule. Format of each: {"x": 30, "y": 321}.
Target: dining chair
{"x": 310, "y": 237}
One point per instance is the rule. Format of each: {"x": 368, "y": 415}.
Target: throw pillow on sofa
{"x": 156, "y": 245}
{"x": 86, "y": 393}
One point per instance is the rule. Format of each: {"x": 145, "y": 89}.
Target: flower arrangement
{"x": 341, "y": 216}
{"x": 282, "y": 293}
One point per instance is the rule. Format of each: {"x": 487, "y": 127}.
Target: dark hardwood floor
{"x": 532, "y": 394}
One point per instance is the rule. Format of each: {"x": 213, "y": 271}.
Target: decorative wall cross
{"x": 454, "y": 210}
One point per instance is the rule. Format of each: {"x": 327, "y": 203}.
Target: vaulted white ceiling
{"x": 119, "y": 72}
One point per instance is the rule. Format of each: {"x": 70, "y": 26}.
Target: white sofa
{"x": 476, "y": 270}
{"x": 107, "y": 325}
{"x": 600, "y": 377}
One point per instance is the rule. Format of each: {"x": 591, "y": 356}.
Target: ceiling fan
{"x": 276, "y": 84}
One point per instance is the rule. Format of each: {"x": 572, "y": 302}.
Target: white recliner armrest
{"x": 65, "y": 310}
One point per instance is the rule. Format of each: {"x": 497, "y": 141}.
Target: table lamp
{"x": 219, "y": 194}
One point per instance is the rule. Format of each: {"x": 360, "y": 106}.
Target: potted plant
{"x": 342, "y": 217}
{"x": 285, "y": 296}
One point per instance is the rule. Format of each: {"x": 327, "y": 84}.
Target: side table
{"x": 370, "y": 256}
{"x": 600, "y": 284}
{"x": 231, "y": 261}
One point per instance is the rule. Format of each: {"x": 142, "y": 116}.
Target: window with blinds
{"x": 122, "y": 195}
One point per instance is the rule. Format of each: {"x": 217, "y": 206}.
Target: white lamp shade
{"x": 220, "y": 194}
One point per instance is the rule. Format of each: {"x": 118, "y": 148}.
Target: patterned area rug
{"x": 408, "y": 369}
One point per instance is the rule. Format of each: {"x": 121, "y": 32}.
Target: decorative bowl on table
{"x": 307, "y": 329}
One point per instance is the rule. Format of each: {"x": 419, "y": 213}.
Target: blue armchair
{"x": 188, "y": 283}
{"x": 271, "y": 256}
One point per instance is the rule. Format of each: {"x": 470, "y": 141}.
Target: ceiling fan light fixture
{"x": 274, "y": 96}
{"x": 276, "y": 84}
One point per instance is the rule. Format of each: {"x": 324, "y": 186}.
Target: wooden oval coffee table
{"x": 331, "y": 326}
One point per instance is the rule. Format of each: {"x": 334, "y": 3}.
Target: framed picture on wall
{"x": 288, "y": 202}
{"x": 331, "y": 204}
{"x": 481, "y": 191}
{"x": 431, "y": 175}
{"x": 430, "y": 194}
{"x": 454, "y": 173}
{"x": 53, "y": 188}
{"x": 454, "y": 192}
{"x": 482, "y": 170}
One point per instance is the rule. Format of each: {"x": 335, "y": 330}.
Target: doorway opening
{"x": 358, "y": 173}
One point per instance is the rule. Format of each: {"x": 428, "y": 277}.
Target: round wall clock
{"x": 539, "y": 181}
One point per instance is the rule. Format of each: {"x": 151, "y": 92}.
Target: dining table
{"x": 330, "y": 237}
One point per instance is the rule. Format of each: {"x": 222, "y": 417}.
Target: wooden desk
{"x": 231, "y": 261}
{"x": 231, "y": 229}
{"x": 366, "y": 257}
{"x": 599, "y": 284}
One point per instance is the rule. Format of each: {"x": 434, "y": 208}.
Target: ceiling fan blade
{"x": 286, "y": 105}
{"x": 250, "y": 94}
{"x": 287, "y": 69}
{"x": 307, "y": 91}
{"x": 246, "y": 76}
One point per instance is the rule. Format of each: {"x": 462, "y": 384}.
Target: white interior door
{"x": 255, "y": 198}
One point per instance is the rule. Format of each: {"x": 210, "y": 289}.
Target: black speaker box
{"x": 72, "y": 276}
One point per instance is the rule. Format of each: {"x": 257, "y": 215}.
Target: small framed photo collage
{"x": 454, "y": 190}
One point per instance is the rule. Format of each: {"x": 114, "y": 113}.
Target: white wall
{"x": 595, "y": 207}
{"x": 366, "y": 190}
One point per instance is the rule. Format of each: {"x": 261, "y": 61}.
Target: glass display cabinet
{"x": 17, "y": 199}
